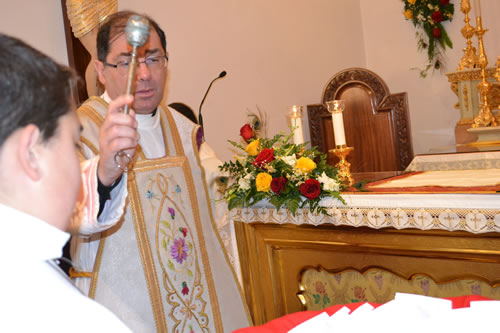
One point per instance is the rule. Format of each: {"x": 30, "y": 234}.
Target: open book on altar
{"x": 449, "y": 181}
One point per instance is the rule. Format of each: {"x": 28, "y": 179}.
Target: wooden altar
{"x": 446, "y": 237}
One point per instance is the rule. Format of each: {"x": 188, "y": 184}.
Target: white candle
{"x": 477, "y": 7}
{"x": 298, "y": 135}
{"x": 338, "y": 128}
{"x": 296, "y": 119}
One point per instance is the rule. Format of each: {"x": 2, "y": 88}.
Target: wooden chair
{"x": 376, "y": 122}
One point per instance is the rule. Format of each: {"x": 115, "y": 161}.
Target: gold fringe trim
{"x": 214, "y": 226}
{"x": 97, "y": 266}
{"x": 73, "y": 274}
{"x": 199, "y": 229}
{"x": 148, "y": 263}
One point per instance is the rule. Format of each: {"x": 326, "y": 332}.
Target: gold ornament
{"x": 85, "y": 15}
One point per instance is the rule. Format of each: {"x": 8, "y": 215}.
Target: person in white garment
{"x": 40, "y": 179}
{"x": 161, "y": 267}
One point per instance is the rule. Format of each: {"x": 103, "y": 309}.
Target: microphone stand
{"x": 200, "y": 118}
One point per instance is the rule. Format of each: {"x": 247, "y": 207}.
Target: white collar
{"x": 24, "y": 235}
{"x": 145, "y": 121}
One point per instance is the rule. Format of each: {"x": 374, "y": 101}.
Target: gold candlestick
{"x": 469, "y": 60}
{"x": 497, "y": 71}
{"x": 497, "y": 76}
{"x": 343, "y": 166}
{"x": 485, "y": 116}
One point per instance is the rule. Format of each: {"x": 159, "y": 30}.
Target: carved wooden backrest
{"x": 376, "y": 122}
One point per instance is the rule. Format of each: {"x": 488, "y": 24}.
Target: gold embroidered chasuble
{"x": 163, "y": 266}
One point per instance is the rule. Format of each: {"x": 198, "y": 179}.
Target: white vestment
{"x": 35, "y": 295}
{"x": 162, "y": 267}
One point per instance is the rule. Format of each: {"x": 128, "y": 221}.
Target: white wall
{"x": 277, "y": 53}
{"x": 38, "y": 22}
{"x": 391, "y": 50}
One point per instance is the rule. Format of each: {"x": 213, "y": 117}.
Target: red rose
{"x": 310, "y": 189}
{"x": 444, "y": 2}
{"x": 265, "y": 156}
{"x": 278, "y": 184}
{"x": 436, "y": 32}
{"x": 437, "y": 16}
{"x": 246, "y": 132}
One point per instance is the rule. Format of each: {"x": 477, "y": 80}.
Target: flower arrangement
{"x": 286, "y": 174}
{"x": 428, "y": 16}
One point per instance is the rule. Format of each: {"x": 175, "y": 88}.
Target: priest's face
{"x": 151, "y": 71}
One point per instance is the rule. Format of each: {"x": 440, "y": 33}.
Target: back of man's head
{"x": 33, "y": 89}
{"x": 185, "y": 110}
{"x": 115, "y": 25}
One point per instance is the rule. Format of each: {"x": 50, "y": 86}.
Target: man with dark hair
{"x": 40, "y": 178}
{"x": 185, "y": 110}
{"x": 162, "y": 267}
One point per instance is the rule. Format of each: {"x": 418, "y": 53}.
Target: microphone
{"x": 136, "y": 33}
{"x": 200, "y": 118}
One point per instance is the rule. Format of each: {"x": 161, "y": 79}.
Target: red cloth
{"x": 286, "y": 323}
{"x": 464, "y": 301}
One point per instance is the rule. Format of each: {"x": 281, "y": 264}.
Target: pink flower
{"x": 171, "y": 211}
{"x": 359, "y": 294}
{"x": 320, "y": 288}
{"x": 179, "y": 250}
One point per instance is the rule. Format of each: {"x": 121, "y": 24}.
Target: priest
{"x": 161, "y": 265}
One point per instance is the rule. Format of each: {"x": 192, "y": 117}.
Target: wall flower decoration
{"x": 428, "y": 17}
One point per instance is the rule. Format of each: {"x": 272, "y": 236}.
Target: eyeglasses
{"x": 152, "y": 63}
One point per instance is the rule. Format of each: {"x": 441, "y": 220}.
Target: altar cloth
{"x": 455, "y": 161}
{"x": 456, "y": 181}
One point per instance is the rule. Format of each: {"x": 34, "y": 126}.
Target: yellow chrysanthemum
{"x": 408, "y": 14}
{"x": 412, "y": 2}
{"x": 305, "y": 165}
{"x": 252, "y": 148}
{"x": 263, "y": 182}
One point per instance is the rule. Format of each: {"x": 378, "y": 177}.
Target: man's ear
{"x": 99, "y": 68}
{"x": 28, "y": 153}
